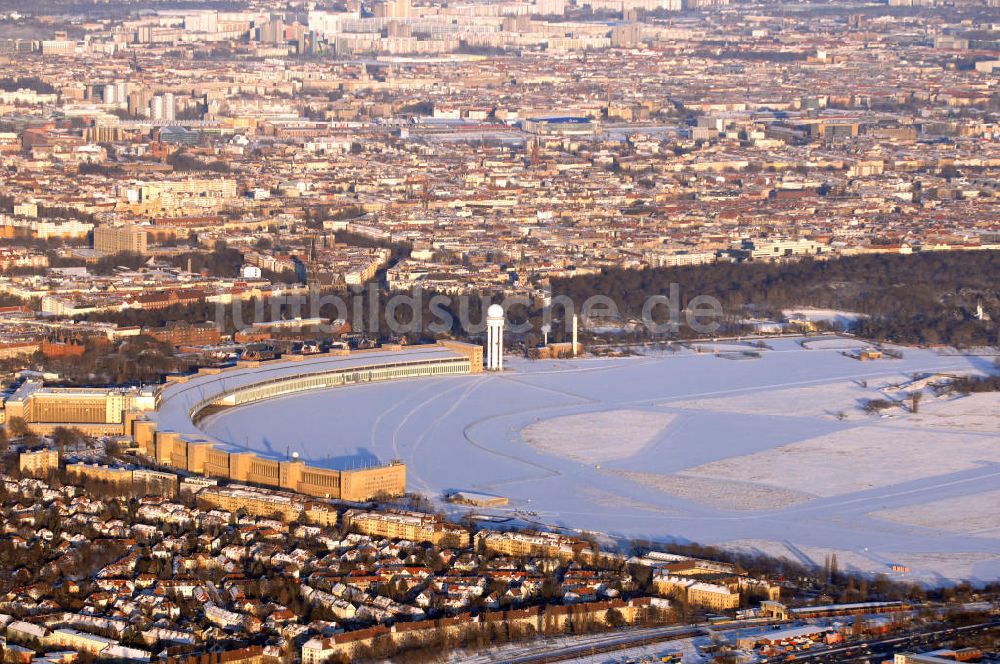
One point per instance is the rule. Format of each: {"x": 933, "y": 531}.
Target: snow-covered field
{"x": 776, "y": 452}
{"x": 827, "y": 401}
{"x": 929, "y": 567}
{"x": 596, "y": 437}
{"x": 858, "y": 459}
{"x": 720, "y": 493}
{"x": 951, "y": 515}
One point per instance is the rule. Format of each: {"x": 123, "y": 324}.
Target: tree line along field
{"x": 926, "y": 298}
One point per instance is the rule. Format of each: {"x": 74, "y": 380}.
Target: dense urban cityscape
{"x": 499, "y": 331}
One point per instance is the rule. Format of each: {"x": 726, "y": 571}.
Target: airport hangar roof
{"x": 179, "y": 398}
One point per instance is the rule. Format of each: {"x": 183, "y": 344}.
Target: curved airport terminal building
{"x": 169, "y": 431}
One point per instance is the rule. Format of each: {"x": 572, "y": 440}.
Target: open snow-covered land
{"x": 774, "y": 454}
{"x": 597, "y": 437}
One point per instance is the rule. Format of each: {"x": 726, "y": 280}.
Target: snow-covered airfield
{"x": 771, "y": 453}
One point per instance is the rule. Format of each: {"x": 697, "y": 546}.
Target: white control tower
{"x": 494, "y": 337}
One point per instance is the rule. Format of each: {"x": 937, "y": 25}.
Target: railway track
{"x": 625, "y": 642}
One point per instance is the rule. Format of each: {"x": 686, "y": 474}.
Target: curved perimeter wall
{"x": 170, "y": 434}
